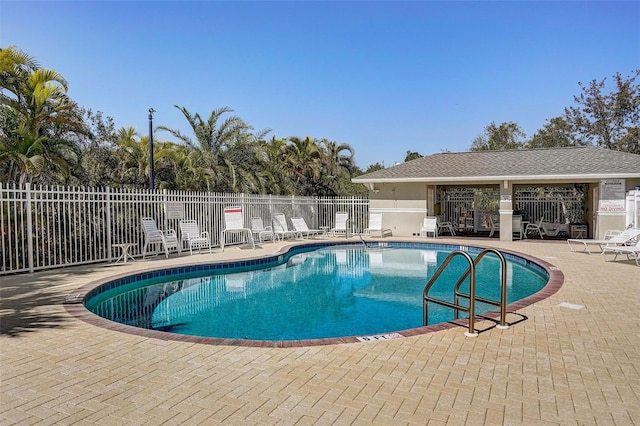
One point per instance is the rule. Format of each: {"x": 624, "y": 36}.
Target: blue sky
{"x": 384, "y": 77}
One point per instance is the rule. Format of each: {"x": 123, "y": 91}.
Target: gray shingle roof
{"x": 513, "y": 164}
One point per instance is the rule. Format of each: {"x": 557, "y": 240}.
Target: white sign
{"x": 505, "y": 197}
{"x": 174, "y": 209}
{"x": 612, "y": 195}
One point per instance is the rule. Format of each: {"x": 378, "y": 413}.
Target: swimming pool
{"x": 316, "y": 292}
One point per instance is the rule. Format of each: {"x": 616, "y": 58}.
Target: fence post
{"x": 109, "y": 229}
{"x": 163, "y": 208}
{"x": 29, "y": 227}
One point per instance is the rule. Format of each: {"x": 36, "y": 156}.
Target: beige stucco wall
{"x": 609, "y": 221}
{"x": 403, "y": 207}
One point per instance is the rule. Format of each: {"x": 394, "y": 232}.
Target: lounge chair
{"x": 627, "y": 250}
{"x": 300, "y": 226}
{"x": 190, "y": 232}
{"x": 153, "y": 235}
{"x": 429, "y": 226}
{"x": 554, "y": 229}
{"x": 341, "y": 225}
{"x": 260, "y": 231}
{"x": 492, "y": 225}
{"x": 281, "y": 229}
{"x": 375, "y": 225}
{"x": 445, "y": 226}
{"x": 234, "y": 224}
{"x": 625, "y": 237}
{"x": 549, "y": 229}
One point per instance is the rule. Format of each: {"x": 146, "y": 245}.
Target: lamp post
{"x": 151, "y": 171}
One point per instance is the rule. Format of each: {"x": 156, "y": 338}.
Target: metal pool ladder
{"x": 470, "y": 272}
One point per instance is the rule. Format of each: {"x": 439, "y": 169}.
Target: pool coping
{"x": 74, "y": 303}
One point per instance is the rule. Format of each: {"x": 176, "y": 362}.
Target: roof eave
{"x": 527, "y": 178}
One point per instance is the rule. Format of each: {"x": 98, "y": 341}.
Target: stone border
{"x": 74, "y": 305}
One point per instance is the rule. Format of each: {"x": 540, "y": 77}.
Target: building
{"x": 583, "y": 187}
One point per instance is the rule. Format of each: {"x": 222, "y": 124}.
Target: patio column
{"x": 506, "y": 211}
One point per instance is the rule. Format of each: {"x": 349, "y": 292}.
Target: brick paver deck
{"x": 561, "y": 366}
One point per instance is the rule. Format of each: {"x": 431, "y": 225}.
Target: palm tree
{"x": 41, "y": 115}
{"x": 303, "y": 159}
{"x": 210, "y": 135}
{"x": 224, "y": 148}
{"x": 274, "y": 169}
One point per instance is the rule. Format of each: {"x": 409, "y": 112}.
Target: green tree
{"x": 338, "y": 167}
{"x": 555, "y": 133}
{"x": 133, "y": 157}
{"x": 275, "y": 173}
{"x": 98, "y": 150}
{"x": 374, "y": 167}
{"x": 303, "y": 161}
{"x": 42, "y": 120}
{"x": 215, "y": 141}
{"x": 610, "y": 120}
{"x": 507, "y": 135}
{"x": 412, "y": 155}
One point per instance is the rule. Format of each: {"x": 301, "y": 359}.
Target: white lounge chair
{"x": 281, "y": 228}
{"x": 300, "y": 225}
{"x": 627, "y": 236}
{"x": 629, "y": 251}
{"x": 190, "y": 232}
{"x": 260, "y": 231}
{"x": 153, "y": 235}
{"x": 375, "y": 225}
{"x": 429, "y": 226}
{"x": 234, "y": 224}
{"x": 341, "y": 224}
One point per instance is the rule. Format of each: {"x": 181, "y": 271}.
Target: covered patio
{"x": 579, "y": 191}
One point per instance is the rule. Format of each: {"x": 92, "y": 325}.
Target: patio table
{"x": 124, "y": 251}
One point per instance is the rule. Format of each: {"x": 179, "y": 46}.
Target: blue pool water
{"x": 310, "y": 293}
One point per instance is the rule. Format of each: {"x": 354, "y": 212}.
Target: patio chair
{"x": 341, "y": 224}
{"x": 375, "y": 225}
{"x": 445, "y": 226}
{"x": 493, "y": 226}
{"x": 300, "y": 225}
{"x": 516, "y": 226}
{"x": 630, "y": 251}
{"x": 534, "y": 227}
{"x": 152, "y": 235}
{"x": 281, "y": 229}
{"x": 234, "y": 224}
{"x": 429, "y": 226}
{"x": 260, "y": 231}
{"x": 190, "y": 232}
{"x": 625, "y": 237}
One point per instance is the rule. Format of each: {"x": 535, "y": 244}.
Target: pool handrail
{"x": 456, "y": 307}
{"x": 472, "y": 297}
{"x": 503, "y": 286}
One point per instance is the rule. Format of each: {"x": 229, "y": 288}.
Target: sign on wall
{"x": 612, "y": 195}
